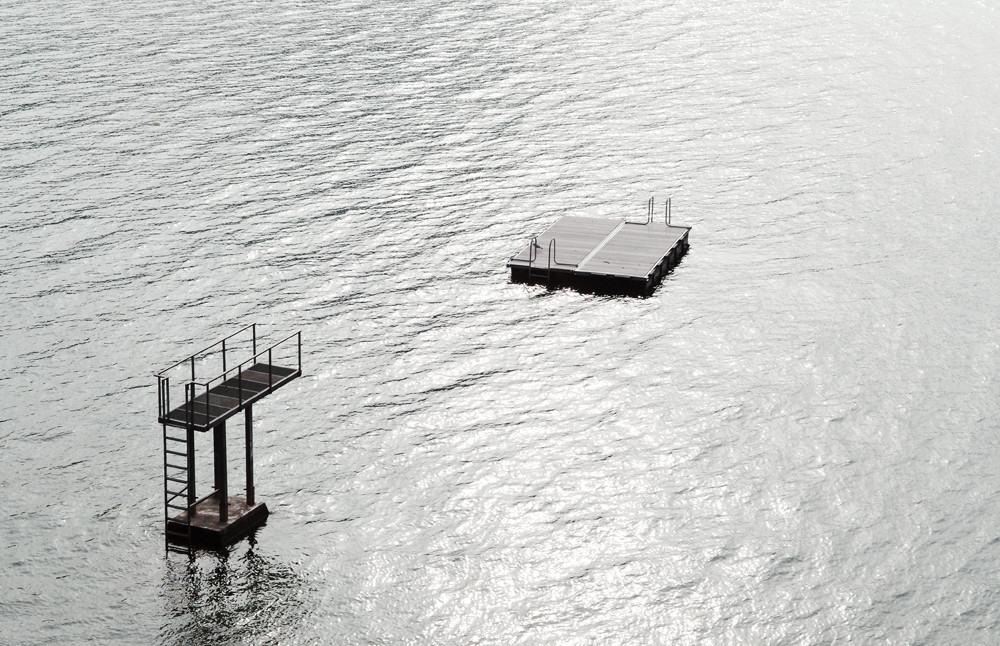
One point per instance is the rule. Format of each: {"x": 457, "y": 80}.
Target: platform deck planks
{"x": 217, "y": 403}
{"x": 601, "y": 255}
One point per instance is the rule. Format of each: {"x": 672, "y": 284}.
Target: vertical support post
{"x": 249, "y": 431}
{"x": 221, "y": 484}
{"x": 192, "y": 496}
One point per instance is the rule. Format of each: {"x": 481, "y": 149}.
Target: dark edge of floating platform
{"x": 622, "y": 277}
{"x": 208, "y": 532}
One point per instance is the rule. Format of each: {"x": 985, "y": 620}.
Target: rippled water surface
{"x": 796, "y": 440}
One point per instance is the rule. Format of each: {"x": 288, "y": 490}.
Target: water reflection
{"x": 232, "y": 597}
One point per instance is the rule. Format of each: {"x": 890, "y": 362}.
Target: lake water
{"x": 796, "y": 440}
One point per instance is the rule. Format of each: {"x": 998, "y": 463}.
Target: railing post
{"x": 192, "y": 367}
{"x": 269, "y": 364}
{"x": 299, "y": 335}
{"x": 253, "y": 330}
{"x": 223, "y": 355}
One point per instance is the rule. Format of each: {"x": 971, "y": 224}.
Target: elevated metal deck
{"x": 205, "y": 404}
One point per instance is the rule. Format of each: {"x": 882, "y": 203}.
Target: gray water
{"x": 796, "y": 440}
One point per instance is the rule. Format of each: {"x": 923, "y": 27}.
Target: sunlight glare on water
{"x": 792, "y": 441}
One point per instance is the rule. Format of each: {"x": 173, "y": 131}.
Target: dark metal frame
{"x": 172, "y": 471}
{"x": 191, "y": 387}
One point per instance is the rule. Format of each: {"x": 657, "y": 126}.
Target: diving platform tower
{"x": 197, "y": 395}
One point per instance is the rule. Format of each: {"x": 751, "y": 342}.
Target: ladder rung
{"x": 183, "y": 454}
{"x": 177, "y": 480}
{"x": 176, "y": 466}
{"x": 176, "y": 439}
{"x": 175, "y": 494}
{"x": 177, "y": 507}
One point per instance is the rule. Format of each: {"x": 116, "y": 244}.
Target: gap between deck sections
{"x": 600, "y": 245}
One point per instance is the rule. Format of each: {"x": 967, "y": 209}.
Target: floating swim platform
{"x": 603, "y": 256}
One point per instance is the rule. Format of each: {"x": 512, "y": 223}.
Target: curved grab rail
{"x": 649, "y": 213}
{"x": 667, "y": 212}
{"x": 554, "y": 261}
{"x": 533, "y": 246}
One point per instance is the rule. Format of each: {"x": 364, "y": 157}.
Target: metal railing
{"x": 192, "y": 386}
{"x": 253, "y": 329}
{"x": 650, "y": 206}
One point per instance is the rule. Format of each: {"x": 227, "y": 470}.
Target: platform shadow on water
{"x": 232, "y": 597}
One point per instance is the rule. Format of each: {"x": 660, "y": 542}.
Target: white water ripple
{"x": 793, "y": 441}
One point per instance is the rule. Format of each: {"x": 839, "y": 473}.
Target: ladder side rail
{"x": 166, "y": 488}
